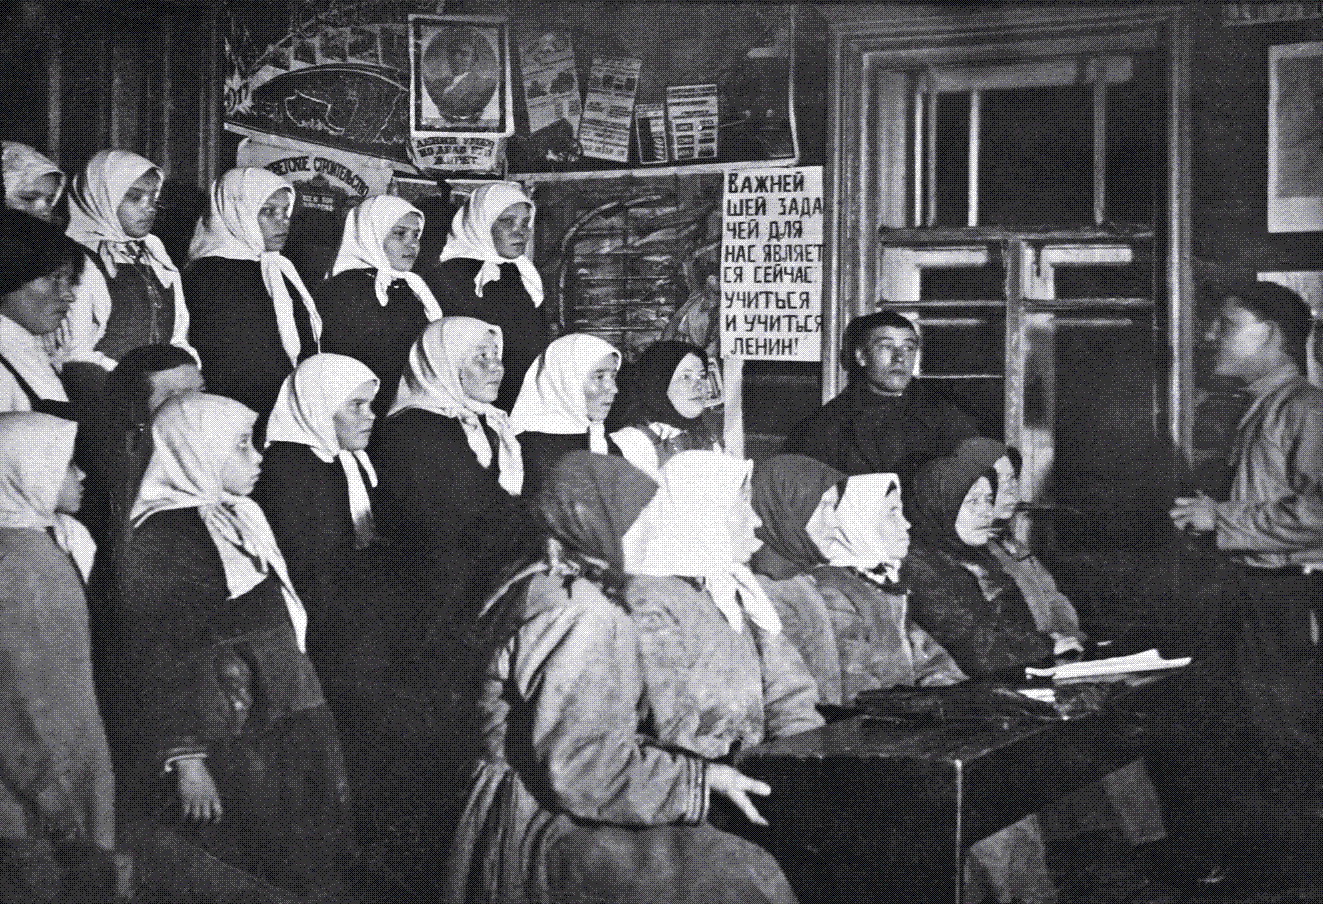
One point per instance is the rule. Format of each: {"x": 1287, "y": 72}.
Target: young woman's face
{"x": 599, "y": 390}
{"x": 166, "y": 384}
{"x": 354, "y": 418}
{"x": 481, "y": 372}
{"x": 244, "y": 464}
{"x": 823, "y": 525}
{"x": 39, "y": 306}
{"x": 743, "y": 523}
{"x": 976, "y": 522}
{"x": 38, "y": 199}
{"x": 70, "y": 499}
{"x": 402, "y": 242}
{"x": 273, "y": 219}
{"x": 137, "y": 212}
{"x": 511, "y": 232}
{"x": 893, "y": 529}
{"x": 688, "y": 388}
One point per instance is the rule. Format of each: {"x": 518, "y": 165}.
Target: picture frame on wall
{"x": 1295, "y": 137}
{"x": 459, "y": 76}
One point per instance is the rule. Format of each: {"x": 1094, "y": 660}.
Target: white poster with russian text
{"x": 771, "y": 264}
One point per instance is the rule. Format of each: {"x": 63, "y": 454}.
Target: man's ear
{"x": 860, "y": 359}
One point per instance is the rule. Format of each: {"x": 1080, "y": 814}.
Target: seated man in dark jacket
{"x": 883, "y": 422}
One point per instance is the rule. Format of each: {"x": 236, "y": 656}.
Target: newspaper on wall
{"x": 650, "y": 126}
{"x": 691, "y": 111}
{"x": 608, "y": 112}
{"x": 551, "y": 82}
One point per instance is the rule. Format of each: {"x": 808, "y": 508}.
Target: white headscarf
{"x": 552, "y": 398}
{"x": 471, "y": 236}
{"x": 230, "y": 230}
{"x": 35, "y": 452}
{"x": 23, "y": 166}
{"x": 431, "y": 382}
{"x": 857, "y": 541}
{"x": 94, "y": 216}
{"x": 305, "y": 414}
{"x": 684, "y": 531}
{"x": 193, "y": 435}
{"x": 366, "y": 229}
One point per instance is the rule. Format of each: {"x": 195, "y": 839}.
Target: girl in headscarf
{"x": 57, "y": 796}
{"x": 485, "y": 272}
{"x": 449, "y": 462}
{"x": 219, "y": 717}
{"x": 580, "y": 791}
{"x": 133, "y": 295}
{"x": 659, "y": 410}
{"x": 563, "y": 404}
{"x": 373, "y": 304}
{"x": 253, "y": 319}
{"x": 959, "y": 593}
{"x": 33, "y": 183}
{"x": 316, "y": 477}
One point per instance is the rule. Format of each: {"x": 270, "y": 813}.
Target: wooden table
{"x": 863, "y": 811}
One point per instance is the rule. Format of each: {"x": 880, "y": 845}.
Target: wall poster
{"x": 1295, "y": 137}
{"x": 459, "y": 76}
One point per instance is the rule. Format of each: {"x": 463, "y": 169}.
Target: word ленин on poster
{"x": 771, "y": 264}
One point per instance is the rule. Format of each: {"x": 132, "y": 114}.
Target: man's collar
{"x": 1273, "y": 379}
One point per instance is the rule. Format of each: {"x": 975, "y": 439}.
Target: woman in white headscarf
{"x": 485, "y": 271}
{"x": 449, "y": 462}
{"x": 57, "y": 796}
{"x": 316, "y": 476}
{"x": 374, "y": 306}
{"x": 210, "y": 682}
{"x": 253, "y": 319}
{"x": 133, "y": 295}
{"x": 33, "y": 182}
{"x": 563, "y": 404}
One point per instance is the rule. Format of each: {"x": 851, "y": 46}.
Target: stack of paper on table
{"x": 1147, "y": 661}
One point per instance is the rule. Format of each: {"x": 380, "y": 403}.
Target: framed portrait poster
{"x": 459, "y": 76}
{"x": 1295, "y": 137}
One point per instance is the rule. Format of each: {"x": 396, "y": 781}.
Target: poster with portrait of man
{"x": 459, "y": 76}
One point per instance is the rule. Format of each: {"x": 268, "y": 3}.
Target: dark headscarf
{"x": 786, "y": 490}
{"x": 939, "y": 489}
{"x": 643, "y": 385}
{"x": 588, "y": 501}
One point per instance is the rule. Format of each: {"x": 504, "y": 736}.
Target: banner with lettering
{"x": 771, "y": 264}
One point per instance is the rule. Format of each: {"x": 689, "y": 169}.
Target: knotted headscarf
{"x": 684, "y": 531}
{"x": 431, "y": 382}
{"x": 645, "y": 383}
{"x": 94, "y": 216}
{"x": 939, "y": 490}
{"x": 230, "y": 230}
{"x": 552, "y": 398}
{"x": 786, "y": 492}
{"x": 23, "y": 166}
{"x": 858, "y": 541}
{"x": 589, "y": 501}
{"x": 471, "y": 236}
{"x": 304, "y": 413}
{"x": 193, "y": 436}
{"x": 35, "y": 452}
{"x": 363, "y": 245}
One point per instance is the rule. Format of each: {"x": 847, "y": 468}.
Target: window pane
{"x": 952, "y": 159}
{"x": 1036, "y": 157}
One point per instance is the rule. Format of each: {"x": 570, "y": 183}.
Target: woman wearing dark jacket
{"x": 485, "y": 272}
{"x": 373, "y": 305}
{"x": 217, "y": 715}
{"x": 960, "y": 594}
{"x": 659, "y": 411}
{"x": 315, "y": 482}
{"x": 252, "y": 318}
{"x": 450, "y": 466}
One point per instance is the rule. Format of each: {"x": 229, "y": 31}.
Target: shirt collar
{"x": 1273, "y": 379}
{"x": 14, "y": 335}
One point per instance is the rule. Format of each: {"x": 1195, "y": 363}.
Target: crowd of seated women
{"x": 276, "y": 469}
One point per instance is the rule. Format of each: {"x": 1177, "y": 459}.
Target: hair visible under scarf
{"x": 684, "y": 531}
{"x": 193, "y": 436}
{"x": 644, "y": 384}
{"x": 23, "y": 166}
{"x": 431, "y": 382}
{"x": 363, "y": 245}
{"x": 94, "y": 215}
{"x": 552, "y": 398}
{"x": 35, "y": 453}
{"x": 231, "y": 230}
{"x": 786, "y": 492}
{"x": 471, "y": 236}
{"x": 304, "y": 413}
{"x": 939, "y": 490}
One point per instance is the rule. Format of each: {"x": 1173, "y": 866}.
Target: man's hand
{"x": 736, "y": 786}
{"x": 199, "y": 801}
{"x": 1194, "y": 513}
